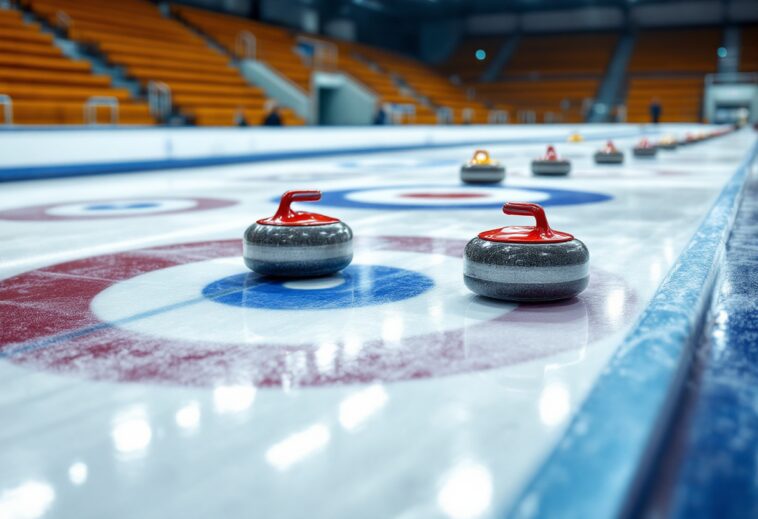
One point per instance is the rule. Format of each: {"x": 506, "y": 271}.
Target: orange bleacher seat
{"x": 133, "y": 34}
{"x": 48, "y": 88}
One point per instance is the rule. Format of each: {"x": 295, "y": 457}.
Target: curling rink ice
{"x": 145, "y": 372}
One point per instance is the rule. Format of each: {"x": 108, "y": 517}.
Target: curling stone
{"x": 482, "y": 169}
{"x": 609, "y": 155}
{"x": 525, "y": 263}
{"x": 298, "y": 244}
{"x": 645, "y": 149}
{"x": 551, "y": 164}
{"x": 668, "y": 142}
{"x": 575, "y": 137}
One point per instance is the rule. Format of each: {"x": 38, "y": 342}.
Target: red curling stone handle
{"x": 527, "y": 209}
{"x": 285, "y": 209}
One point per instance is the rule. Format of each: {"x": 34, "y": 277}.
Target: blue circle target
{"x": 454, "y": 197}
{"x": 356, "y": 286}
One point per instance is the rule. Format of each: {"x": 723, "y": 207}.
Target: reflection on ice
{"x": 233, "y": 399}
{"x": 466, "y": 491}
{"x": 298, "y": 446}
{"x": 131, "y": 432}
{"x": 358, "y": 407}
{"x": 29, "y": 500}
{"x": 188, "y": 417}
{"x": 77, "y": 473}
{"x": 554, "y": 404}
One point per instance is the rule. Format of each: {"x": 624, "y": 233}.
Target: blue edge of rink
{"x": 10, "y": 174}
{"x": 717, "y": 472}
{"x": 601, "y": 462}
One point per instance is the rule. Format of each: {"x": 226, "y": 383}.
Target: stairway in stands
{"x": 134, "y": 35}
{"x": 48, "y": 88}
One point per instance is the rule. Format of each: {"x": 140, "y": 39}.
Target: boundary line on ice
{"x": 103, "y": 168}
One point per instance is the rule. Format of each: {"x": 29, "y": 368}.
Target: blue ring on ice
{"x": 340, "y": 198}
{"x": 361, "y": 285}
{"x": 122, "y": 206}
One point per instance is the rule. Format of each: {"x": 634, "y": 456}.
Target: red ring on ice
{"x": 48, "y": 324}
{"x": 40, "y": 213}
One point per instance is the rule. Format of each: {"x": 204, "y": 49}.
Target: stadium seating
{"x": 48, "y": 88}
{"x": 426, "y": 82}
{"x": 749, "y": 49}
{"x": 134, "y": 35}
{"x": 277, "y": 47}
{"x": 463, "y": 62}
{"x": 670, "y": 64}
{"x": 552, "y": 76}
{"x": 273, "y": 45}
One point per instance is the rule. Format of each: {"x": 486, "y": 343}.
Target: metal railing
{"x": 325, "y": 54}
{"x": 400, "y": 113}
{"x": 95, "y": 102}
{"x": 498, "y": 117}
{"x": 527, "y": 116}
{"x": 7, "y": 103}
{"x": 245, "y": 45}
{"x": 444, "y": 115}
{"x": 159, "y": 100}
{"x": 731, "y": 78}
{"x": 467, "y": 115}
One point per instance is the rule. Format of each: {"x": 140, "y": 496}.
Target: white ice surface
{"x": 458, "y": 445}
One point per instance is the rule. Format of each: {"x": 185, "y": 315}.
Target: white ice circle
{"x": 168, "y": 303}
{"x": 484, "y": 196}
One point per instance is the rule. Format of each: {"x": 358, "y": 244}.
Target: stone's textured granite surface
{"x": 482, "y": 174}
{"x": 559, "y": 262}
{"x": 640, "y": 151}
{"x": 551, "y": 167}
{"x": 298, "y": 251}
{"x": 616, "y": 157}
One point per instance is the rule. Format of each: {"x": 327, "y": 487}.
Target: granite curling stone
{"x": 526, "y": 263}
{"x": 609, "y": 155}
{"x": 645, "y": 149}
{"x": 298, "y": 244}
{"x": 668, "y": 142}
{"x": 575, "y": 137}
{"x": 551, "y": 164}
{"x": 482, "y": 169}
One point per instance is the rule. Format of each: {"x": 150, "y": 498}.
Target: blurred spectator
{"x": 272, "y": 118}
{"x": 655, "y": 110}
{"x": 239, "y": 117}
{"x": 380, "y": 116}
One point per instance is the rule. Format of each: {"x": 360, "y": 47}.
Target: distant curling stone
{"x": 668, "y": 142}
{"x": 609, "y": 155}
{"x": 551, "y": 164}
{"x": 525, "y": 263}
{"x": 645, "y": 149}
{"x": 482, "y": 169}
{"x": 297, "y": 244}
{"x": 575, "y": 137}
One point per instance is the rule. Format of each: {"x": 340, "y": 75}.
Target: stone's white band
{"x": 298, "y": 253}
{"x": 525, "y": 275}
